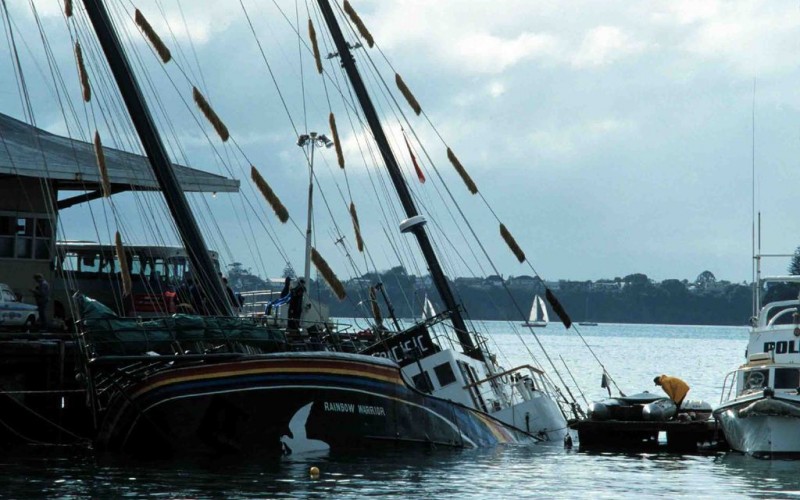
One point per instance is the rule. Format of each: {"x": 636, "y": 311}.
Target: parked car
{"x": 13, "y": 312}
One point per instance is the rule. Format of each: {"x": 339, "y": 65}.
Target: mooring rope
{"x": 45, "y": 419}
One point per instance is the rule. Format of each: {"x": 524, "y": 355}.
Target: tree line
{"x": 633, "y": 299}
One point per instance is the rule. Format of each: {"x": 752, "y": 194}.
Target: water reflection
{"x": 758, "y": 477}
{"x": 521, "y": 471}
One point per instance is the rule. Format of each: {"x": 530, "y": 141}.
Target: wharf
{"x": 688, "y": 436}
{"x": 41, "y": 401}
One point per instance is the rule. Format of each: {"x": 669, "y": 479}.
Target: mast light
{"x": 411, "y": 223}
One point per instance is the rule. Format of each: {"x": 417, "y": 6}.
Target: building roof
{"x": 29, "y": 151}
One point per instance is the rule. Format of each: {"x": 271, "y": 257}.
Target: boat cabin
{"x": 776, "y": 331}
{"x": 447, "y": 373}
{"x": 759, "y": 373}
{"x": 432, "y": 364}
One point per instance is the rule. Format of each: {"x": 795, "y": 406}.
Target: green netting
{"x": 92, "y": 309}
{"x": 107, "y": 334}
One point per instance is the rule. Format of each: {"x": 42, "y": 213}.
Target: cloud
{"x": 626, "y": 124}
{"x": 752, "y": 42}
{"x": 468, "y": 36}
{"x": 692, "y": 11}
{"x": 752, "y": 37}
{"x": 604, "y": 45}
{"x": 485, "y": 53}
{"x": 568, "y": 142}
{"x": 497, "y": 89}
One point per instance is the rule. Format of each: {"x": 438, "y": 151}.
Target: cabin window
{"x": 7, "y": 230}
{"x": 90, "y": 263}
{"x": 756, "y": 379}
{"x": 7, "y": 225}
{"x": 178, "y": 267}
{"x": 24, "y": 248}
{"x": 25, "y": 236}
{"x": 24, "y": 231}
{"x": 787, "y": 378}
{"x": 6, "y": 246}
{"x": 67, "y": 262}
{"x": 137, "y": 264}
{"x": 444, "y": 373}
{"x": 422, "y": 381}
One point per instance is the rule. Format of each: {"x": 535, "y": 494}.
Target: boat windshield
{"x": 755, "y": 379}
{"x": 787, "y": 378}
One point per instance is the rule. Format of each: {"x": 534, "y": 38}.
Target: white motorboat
{"x": 760, "y": 404}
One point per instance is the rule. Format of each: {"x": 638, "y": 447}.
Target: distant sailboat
{"x": 538, "y": 316}
{"x": 428, "y": 311}
{"x": 587, "y": 322}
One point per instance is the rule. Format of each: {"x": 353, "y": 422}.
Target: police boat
{"x": 760, "y": 404}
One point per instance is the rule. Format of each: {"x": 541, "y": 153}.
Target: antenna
{"x": 755, "y": 265}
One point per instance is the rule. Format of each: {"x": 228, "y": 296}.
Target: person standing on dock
{"x": 42, "y": 295}
{"x": 675, "y": 388}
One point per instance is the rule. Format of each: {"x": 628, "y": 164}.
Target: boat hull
{"x": 761, "y": 434}
{"x": 288, "y": 404}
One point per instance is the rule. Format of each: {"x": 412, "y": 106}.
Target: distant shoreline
{"x": 634, "y": 299}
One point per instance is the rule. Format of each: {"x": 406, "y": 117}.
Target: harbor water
{"x": 632, "y": 354}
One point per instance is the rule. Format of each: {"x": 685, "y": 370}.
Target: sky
{"x": 609, "y": 137}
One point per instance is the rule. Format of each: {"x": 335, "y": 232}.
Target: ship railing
{"x": 446, "y": 332}
{"x": 446, "y": 337}
{"x": 343, "y": 337}
{"x": 523, "y": 381}
{"x": 114, "y": 374}
{"x": 197, "y": 334}
{"x": 256, "y": 301}
{"x": 443, "y": 339}
{"x": 525, "y": 378}
{"x": 729, "y": 378}
{"x": 773, "y": 311}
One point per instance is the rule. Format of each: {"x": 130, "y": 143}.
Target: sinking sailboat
{"x": 538, "y": 316}
{"x": 193, "y": 383}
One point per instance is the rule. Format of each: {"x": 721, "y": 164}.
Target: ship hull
{"x": 289, "y": 404}
{"x": 775, "y": 430}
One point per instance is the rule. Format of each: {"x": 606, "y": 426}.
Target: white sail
{"x": 427, "y": 309}
{"x": 534, "y": 313}
{"x": 544, "y": 317}
{"x": 538, "y": 311}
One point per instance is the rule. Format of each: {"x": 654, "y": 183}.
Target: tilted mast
{"x": 204, "y": 272}
{"x": 415, "y": 222}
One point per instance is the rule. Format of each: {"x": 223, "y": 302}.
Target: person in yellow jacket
{"x": 675, "y": 388}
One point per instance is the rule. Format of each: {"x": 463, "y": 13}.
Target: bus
{"x": 157, "y": 275}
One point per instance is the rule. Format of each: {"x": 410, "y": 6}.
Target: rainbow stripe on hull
{"x": 286, "y": 403}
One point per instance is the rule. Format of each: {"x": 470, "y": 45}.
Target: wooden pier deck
{"x": 688, "y": 436}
